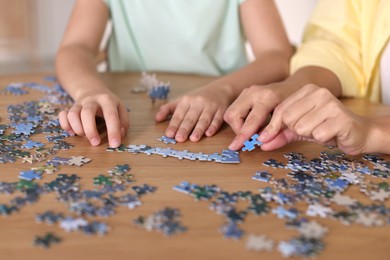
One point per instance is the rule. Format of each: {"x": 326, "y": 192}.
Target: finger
{"x": 202, "y": 125}
{"x": 63, "y": 118}
{"x": 282, "y": 111}
{"x": 237, "y": 112}
{"x": 124, "y": 120}
{"x": 326, "y": 132}
{"x": 176, "y": 120}
{"x": 165, "y": 111}
{"x": 75, "y": 120}
{"x": 111, "y": 116}
{"x": 305, "y": 125}
{"x": 283, "y": 138}
{"x": 251, "y": 125}
{"x": 215, "y": 124}
{"x": 88, "y": 115}
{"x": 188, "y": 124}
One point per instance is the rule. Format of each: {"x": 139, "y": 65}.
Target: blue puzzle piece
{"x": 214, "y": 157}
{"x": 31, "y": 144}
{"x": 263, "y": 176}
{"x": 249, "y": 145}
{"x": 337, "y": 184}
{"x": 30, "y": 175}
{"x": 184, "y": 187}
{"x": 15, "y": 90}
{"x": 230, "y": 160}
{"x": 283, "y": 213}
{"x": 159, "y": 92}
{"x": 232, "y": 230}
{"x": 167, "y": 140}
{"x": 229, "y": 156}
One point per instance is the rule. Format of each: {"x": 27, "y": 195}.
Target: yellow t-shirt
{"x": 348, "y": 38}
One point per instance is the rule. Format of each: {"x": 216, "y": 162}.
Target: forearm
{"x": 312, "y": 75}
{"x": 271, "y": 66}
{"x": 77, "y": 72}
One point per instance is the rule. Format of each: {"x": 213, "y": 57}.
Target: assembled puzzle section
{"x": 226, "y": 156}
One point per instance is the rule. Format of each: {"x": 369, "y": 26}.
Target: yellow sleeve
{"x": 332, "y": 41}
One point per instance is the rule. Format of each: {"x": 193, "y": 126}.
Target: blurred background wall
{"x": 31, "y": 30}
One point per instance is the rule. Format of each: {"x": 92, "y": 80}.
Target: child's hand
{"x": 314, "y": 114}
{"x": 80, "y": 118}
{"x": 250, "y": 111}
{"x": 196, "y": 114}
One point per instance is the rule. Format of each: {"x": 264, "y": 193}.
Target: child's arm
{"x": 76, "y": 69}
{"x": 315, "y": 114}
{"x": 201, "y": 112}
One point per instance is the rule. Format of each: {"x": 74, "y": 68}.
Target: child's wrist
{"x": 89, "y": 89}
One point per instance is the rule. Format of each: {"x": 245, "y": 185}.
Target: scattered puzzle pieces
{"x": 259, "y": 243}
{"x": 78, "y": 160}
{"x": 47, "y": 240}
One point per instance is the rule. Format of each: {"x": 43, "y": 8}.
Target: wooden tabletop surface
{"x": 202, "y": 240}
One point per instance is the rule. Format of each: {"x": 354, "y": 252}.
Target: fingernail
{"x": 71, "y": 133}
{"x": 95, "y": 141}
{"x": 194, "y": 135}
{"x": 123, "y": 132}
{"x": 170, "y": 134}
{"x": 233, "y": 145}
{"x": 209, "y": 132}
{"x": 115, "y": 143}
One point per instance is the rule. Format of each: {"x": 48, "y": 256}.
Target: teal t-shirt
{"x": 181, "y": 36}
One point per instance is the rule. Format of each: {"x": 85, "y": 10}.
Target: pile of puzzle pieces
{"x": 156, "y": 88}
{"x": 112, "y": 190}
{"x": 319, "y": 183}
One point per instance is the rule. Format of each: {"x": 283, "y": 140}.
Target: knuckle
{"x": 189, "y": 121}
{"x": 111, "y": 114}
{"x": 287, "y": 118}
{"x": 176, "y": 118}
{"x": 204, "y": 122}
{"x": 86, "y": 110}
{"x": 229, "y": 116}
{"x": 72, "y": 114}
{"x": 216, "y": 121}
{"x": 319, "y": 135}
{"x": 106, "y": 98}
{"x": 253, "y": 119}
{"x": 324, "y": 92}
{"x": 302, "y": 129}
{"x": 269, "y": 94}
{"x": 278, "y": 111}
{"x": 186, "y": 98}
{"x": 171, "y": 128}
{"x": 184, "y": 130}
{"x": 310, "y": 87}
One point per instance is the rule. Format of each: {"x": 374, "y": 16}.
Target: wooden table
{"x": 202, "y": 240}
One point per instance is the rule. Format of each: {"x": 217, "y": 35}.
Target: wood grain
{"x": 202, "y": 240}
